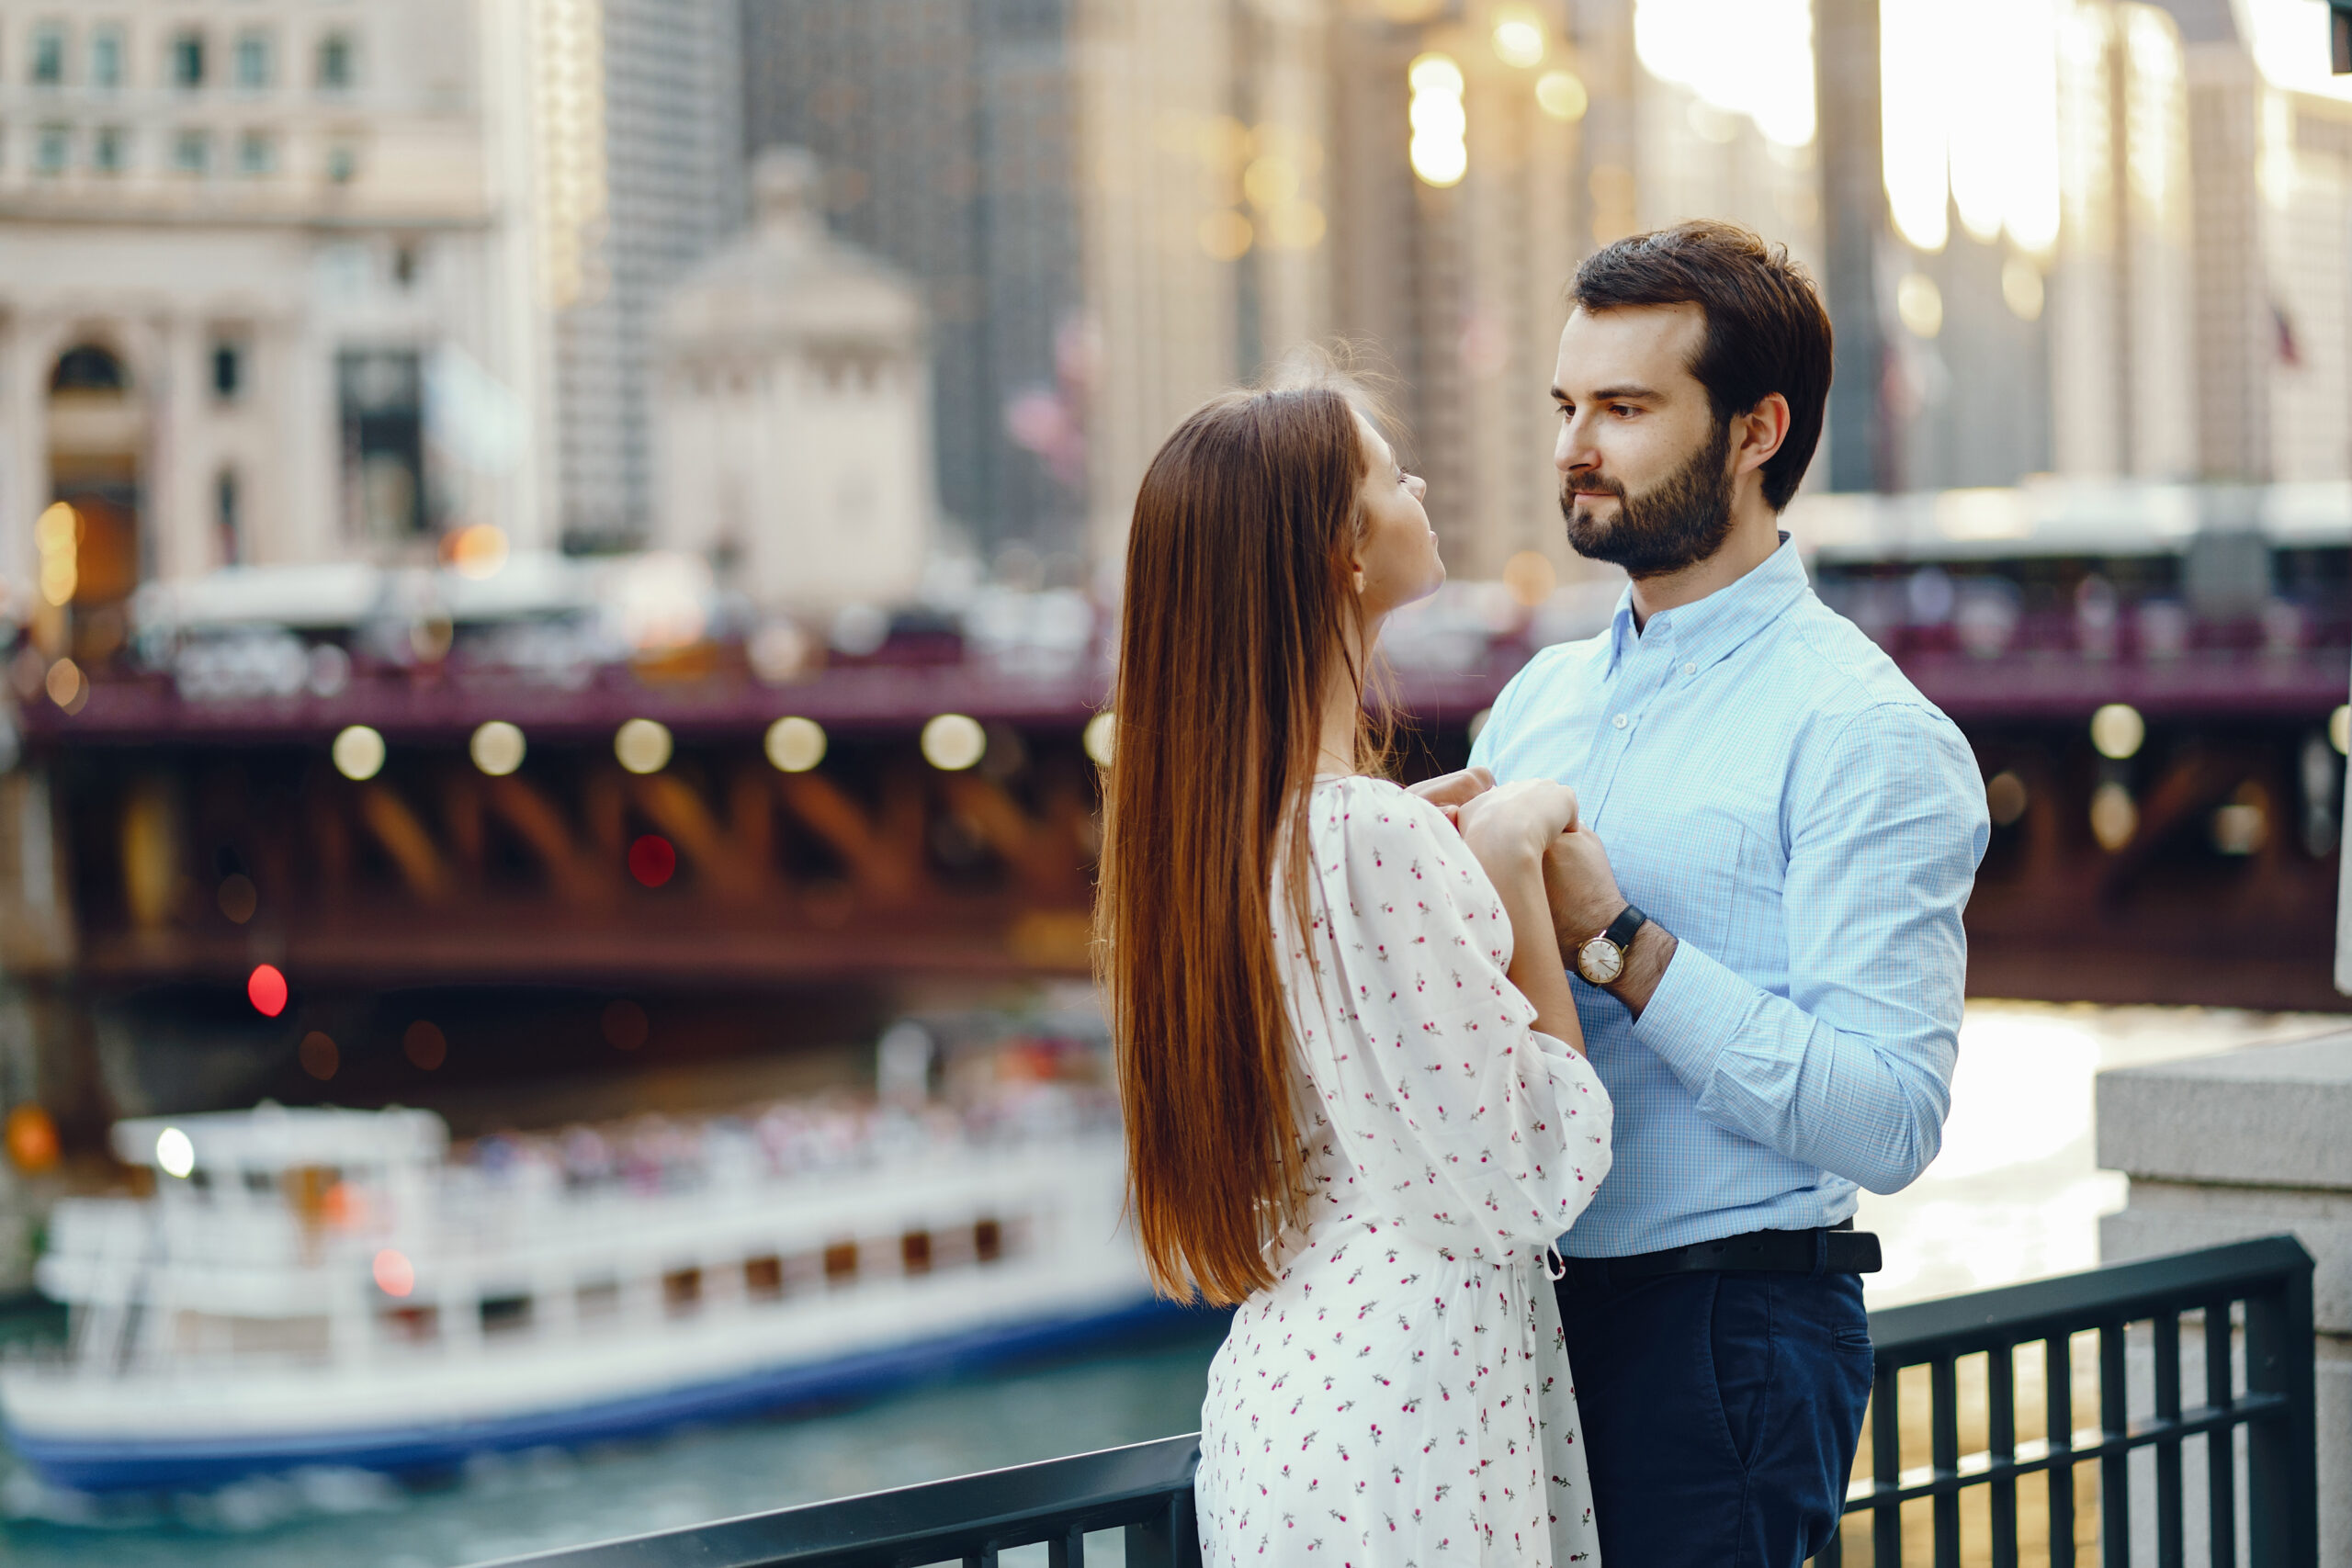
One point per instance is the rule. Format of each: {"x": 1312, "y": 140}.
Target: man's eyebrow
{"x": 1628, "y": 393}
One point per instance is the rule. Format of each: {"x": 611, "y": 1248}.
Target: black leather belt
{"x": 1839, "y": 1251}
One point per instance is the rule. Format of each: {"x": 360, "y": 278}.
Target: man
{"x": 1775, "y": 1011}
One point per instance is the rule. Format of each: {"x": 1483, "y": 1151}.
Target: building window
{"x": 256, "y": 153}
{"x": 192, "y": 152}
{"x": 343, "y": 162}
{"x": 254, "y": 61}
{"x": 105, "y": 58}
{"x": 382, "y": 395}
{"x": 48, "y": 54}
{"x": 228, "y": 519}
{"x": 54, "y": 149}
{"x": 227, "y": 370}
{"x": 334, "y": 61}
{"x": 188, "y": 59}
{"x": 108, "y": 146}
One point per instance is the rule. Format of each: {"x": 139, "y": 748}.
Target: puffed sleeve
{"x": 1477, "y": 1132}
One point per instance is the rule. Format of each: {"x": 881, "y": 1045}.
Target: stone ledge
{"x": 2171, "y": 1217}
{"x": 2269, "y": 1116}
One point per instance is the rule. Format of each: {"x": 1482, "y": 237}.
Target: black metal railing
{"x": 2253, "y": 1299}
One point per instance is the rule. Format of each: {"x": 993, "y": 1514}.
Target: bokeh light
{"x": 2339, "y": 729}
{"x": 1530, "y": 577}
{"x": 1440, "y": 151}
{"x": 1750, "y": 57}
{"x": 317, "y": 1055}
{"x": 424, "y": 1046}
{"x": 238, "y": 897}
{"x": 266, "y": 988}
{"x": 794, "y": 745}
{"x": 57, "y": 534}
{"x": 1518, "y": 37}
{"x": 953, "y": 742}
{"x": 359, "y": 752}
{"x": 1920, "y": 304}
{"x": 395, "y": 1275}
{"x": 652, "y": 860}
{"x": 2118, "y": 730}
{"x": 1561, "y": 95}
{"x": 497, "y": 747}
{"x": 174, "y": 1152}
{"x": 32, "y": 1139}
{"x": 479, "y": 551}
{"x": 2115, "y": 816}
{"x": 1102, "y": 738}
{"x": 642, "y": 744}
{"x": 66, "y": 685}
{"x": 2005, "y": 799}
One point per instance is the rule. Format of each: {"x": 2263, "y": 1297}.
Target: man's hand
{"x": 1450, "y": 792}
{"x": 1584, "y": 898}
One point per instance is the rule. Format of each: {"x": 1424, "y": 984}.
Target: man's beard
{"x": 1678, "y": 522}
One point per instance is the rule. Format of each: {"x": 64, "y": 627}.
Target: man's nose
{"x": 1574, "y": 452}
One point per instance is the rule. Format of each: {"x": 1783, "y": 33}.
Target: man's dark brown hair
{"x": 1766, "y": 329}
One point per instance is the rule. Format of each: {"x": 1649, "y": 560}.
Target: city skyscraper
{"x": 946, "y": 130}
{"x": 639, "y": 174}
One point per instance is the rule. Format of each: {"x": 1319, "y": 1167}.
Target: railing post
{"x": 2282, "y": 1452}
{"x": 1170, "y": 1541}
{"x": 2221, "y": 1447}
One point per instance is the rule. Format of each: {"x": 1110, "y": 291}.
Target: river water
{"x": 2014, "y": 1195}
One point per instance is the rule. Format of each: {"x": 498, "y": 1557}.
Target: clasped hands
{"x": 1536, "y": 818}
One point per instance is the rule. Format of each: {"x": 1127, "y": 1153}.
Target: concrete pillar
{"x": 2247, "y": 1143}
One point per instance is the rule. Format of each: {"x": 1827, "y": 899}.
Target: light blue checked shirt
{"x": 1772, "y": 791}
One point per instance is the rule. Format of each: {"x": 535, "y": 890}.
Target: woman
{"x": 1350, "y": 1069}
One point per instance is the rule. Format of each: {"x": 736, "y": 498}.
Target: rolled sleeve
{"x": 1851, "y": 1070}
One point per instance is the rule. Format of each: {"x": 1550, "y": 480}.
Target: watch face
{"x": 1599, "y": 961}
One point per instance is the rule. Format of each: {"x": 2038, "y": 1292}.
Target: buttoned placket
{"x": 1646, "y": 662}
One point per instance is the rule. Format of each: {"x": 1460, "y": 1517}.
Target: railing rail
{"x": 2261, "y": 1287}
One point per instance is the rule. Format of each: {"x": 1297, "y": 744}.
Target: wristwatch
{"x": 1601, "y": 959}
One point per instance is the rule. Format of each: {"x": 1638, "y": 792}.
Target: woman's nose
{"x": 1420, "y": 486}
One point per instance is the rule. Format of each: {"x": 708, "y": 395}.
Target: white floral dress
{"x": 1401, "y": 1397}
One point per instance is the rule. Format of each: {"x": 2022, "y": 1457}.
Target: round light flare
{"x": 953, "y": 742}
{"x": 478, "y": 551}
{"x": 497, "y": 747}
{"x": 2005, "y": 798}
{"x": 1227, "y": 236}
{"x": 2021, "y": 288}
{"x": 1102, "y": 738}
{"x": 358, "y": 753}
{"x": 1530, "y": 577}
{"x": 2118, "y": 731}
{"x": 1435, "y": 73}
{"x": 2339, "y": 729}
{"x": 795, "y": 744}
{"x": 1440, "y": 152}
{"x": 652, "y": 860}
{"x": 1920, "y": 304}
{"x": 174, "y": 1152}
{"x": 395, "y": 1275}
{"x": 66, "y": 685}
{"x": 266, "y": 988}
{"x": 56, "y": 533}
{"x": 31, "y": 1135}
{"x": 1518, "y": 37}
{"x": 1561, "y": 95}
{"x": 642, "y": 744}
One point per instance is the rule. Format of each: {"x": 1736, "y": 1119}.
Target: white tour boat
{"x": 340, "y": 1287}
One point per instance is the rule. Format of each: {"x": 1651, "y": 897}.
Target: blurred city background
{"x": 557, "y": 559}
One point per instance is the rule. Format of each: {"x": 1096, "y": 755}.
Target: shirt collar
{"x": 1706, "y": 629}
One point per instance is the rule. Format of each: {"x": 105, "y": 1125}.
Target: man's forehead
{"x": 1655, "y": 343}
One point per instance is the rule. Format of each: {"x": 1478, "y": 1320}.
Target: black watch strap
{"x": 1621, "y": 930}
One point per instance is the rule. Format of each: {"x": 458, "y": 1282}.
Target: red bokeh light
{"x": 652, "y": 860}
{"x": 266, "y": 990}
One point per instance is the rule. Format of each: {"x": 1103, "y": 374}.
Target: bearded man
{"x": 1761, "y": 906}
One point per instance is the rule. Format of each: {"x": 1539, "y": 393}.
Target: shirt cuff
{"x": 1692, "y": 1015}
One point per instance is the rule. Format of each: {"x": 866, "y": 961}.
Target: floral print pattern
{"x": 1399, "y": 1397}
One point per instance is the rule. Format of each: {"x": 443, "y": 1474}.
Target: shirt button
{"x": 1691, "y": 670}
{"x": 1619, "y": 721}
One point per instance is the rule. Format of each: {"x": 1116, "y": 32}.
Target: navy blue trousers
{"x": 1721, "y": 1413}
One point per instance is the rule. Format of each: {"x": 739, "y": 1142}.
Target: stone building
{"x": 795, "y": 406}
{"x": 264, "y": 296}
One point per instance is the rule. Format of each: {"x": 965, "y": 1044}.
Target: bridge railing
{"x": 2253, "y": 1301}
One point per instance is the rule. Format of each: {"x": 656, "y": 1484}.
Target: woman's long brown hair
{"x": 1237, "y": 616}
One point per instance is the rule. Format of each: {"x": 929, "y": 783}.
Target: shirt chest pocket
{"x": 1710, "y": 878}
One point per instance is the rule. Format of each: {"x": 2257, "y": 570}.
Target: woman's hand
{"x": 1509, "y": 828}
{"x": 1450, "y": 792}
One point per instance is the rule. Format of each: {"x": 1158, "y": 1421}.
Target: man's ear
{"x": 1758, "y": 434}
